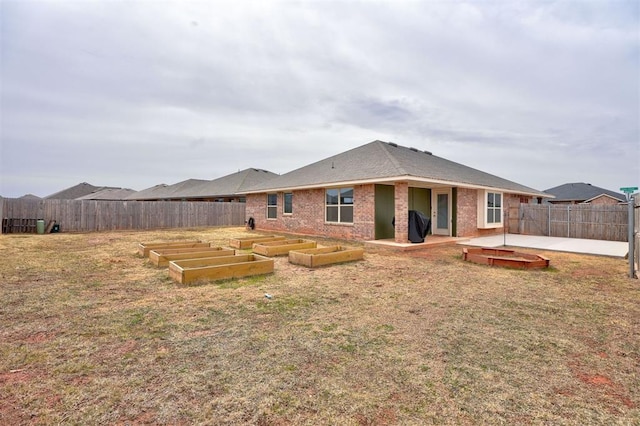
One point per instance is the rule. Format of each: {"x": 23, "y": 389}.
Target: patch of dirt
{"x": 607, "y": 389}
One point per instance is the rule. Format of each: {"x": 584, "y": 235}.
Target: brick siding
{"x": 467, "y": 212}
{"x": 308, "y": 217}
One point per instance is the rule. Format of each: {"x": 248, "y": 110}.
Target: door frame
{"x": 434, "y": 211}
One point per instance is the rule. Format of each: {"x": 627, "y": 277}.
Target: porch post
{"x": 401, "y": 212}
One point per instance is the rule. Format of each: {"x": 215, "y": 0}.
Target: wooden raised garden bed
{"x": 505, "y": 258}
{"x": 145, "y": 248}
{"x": 162, "y": 257}
{"x": 312, "y": 258}
{"x": 218, "y": 268}
{"x": 247, "y": 242}
{"x": 276, "y": 248}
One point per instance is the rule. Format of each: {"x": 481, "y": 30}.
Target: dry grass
{"x": 93, "y": 334}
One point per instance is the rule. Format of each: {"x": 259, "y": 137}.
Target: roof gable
{"x": 108, "y": 194}
{"x": 383, "y": 160}
{"x": 580, "y": 191}
{"x": 231, "y": 184}
{"x": 74, "y": 192}
{"x": 228, "y": 185}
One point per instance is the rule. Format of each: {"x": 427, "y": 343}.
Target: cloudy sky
{"x": 136, "y": 93}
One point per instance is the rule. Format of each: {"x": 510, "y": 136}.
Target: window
{"x": 339, "y": 205}
{"x": 272, "y": 206}
{"x": 288, "y": 203}
{"x": 490, "y": 209}
{"x": 494, "y": 207}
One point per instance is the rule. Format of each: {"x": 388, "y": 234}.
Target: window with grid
{"x": 339, "y": 205}
{"x": 272, "y": 206}
{"x": 494, "y": 207}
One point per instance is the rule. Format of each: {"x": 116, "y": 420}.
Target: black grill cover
{"x": 419, "y": 226}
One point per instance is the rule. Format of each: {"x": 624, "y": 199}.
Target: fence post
{"x": 568, "y": 220}
{"x": 631, "y": 222}
{"x": 549, "y": 220}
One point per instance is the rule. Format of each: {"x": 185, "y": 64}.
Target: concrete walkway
{"x": 573, "y": 245}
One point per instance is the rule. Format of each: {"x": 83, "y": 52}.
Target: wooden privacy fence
{"x": 92, "y": 215}
{"x": 636, "y": 234}
{"x": 597, "y": 222}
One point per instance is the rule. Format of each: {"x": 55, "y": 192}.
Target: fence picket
{"x": 92, "y": 215}
{"x": 597, "y": 222}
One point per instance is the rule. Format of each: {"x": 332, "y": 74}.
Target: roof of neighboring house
{"x": 225, "y": 186}
{"x": 384, "y": 161}
{"x": 233, "y": 183}
{"x": 77, "y": 191}
{"x": 108, "y": 194}
{"x": 164, "y": 192}
{"x": 30, "y": 197}
{"x": 579, "y": 192}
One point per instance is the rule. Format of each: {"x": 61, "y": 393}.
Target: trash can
{"x": 40, "y": 226}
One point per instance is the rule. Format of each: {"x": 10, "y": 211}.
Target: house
{"x": 357, "y": 194}
{"x": 164, "y": 192}
{"x": 108, "y": 194}
{"x": 578, "y": 193}
{"x": 84, "y": 190}
{"x": 226, "y": 188}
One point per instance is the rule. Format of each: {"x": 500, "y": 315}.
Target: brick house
{"x": 584, "y": 193}
{"x": 355, "y": 195}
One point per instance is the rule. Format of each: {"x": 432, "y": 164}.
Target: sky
{"x": 132, "y": 94}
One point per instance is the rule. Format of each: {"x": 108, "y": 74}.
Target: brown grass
{"x": 93, "y": 334}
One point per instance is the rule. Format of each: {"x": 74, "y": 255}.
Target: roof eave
{"x": 391, "y": 180}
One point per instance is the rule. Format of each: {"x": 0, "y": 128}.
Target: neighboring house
{"x": 165, "y": 192}
{"x": 578, "y": 193}
{"x": 356, "y": 195}
{"x": 226, "y": 188}
{"x": 108, "y": 194}
{"x": 30, "y": 197}
{"x": 71, "y": 193}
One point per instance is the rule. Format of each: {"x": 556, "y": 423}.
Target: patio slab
{"x": 572, "y": 245}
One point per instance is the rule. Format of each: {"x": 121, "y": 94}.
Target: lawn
{"x": 93, "y": 334}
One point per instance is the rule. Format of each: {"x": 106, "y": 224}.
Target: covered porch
{"x": 393, "y": 201}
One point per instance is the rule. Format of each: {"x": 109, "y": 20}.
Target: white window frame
{"x": 484, "y": 197}
{"x": 339, "y": 205}
{"x": 284, "y": 203}
{"x": 272, "y": 207}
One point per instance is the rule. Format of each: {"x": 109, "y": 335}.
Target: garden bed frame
{"x": 145, "y": 248}
{"x": 162, "y": 258}
{"x": 282, "y": 247}
{"x": 219, "y": 268}
{"x": 247, "y": 242}
{"x": 505, "y": 258}
{"x": 312, "y": 258}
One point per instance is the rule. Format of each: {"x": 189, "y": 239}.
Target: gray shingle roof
{"x": 579, "y": 192}
{"x": 76, "y": 191}
{"x": 225, "y": 186}
{"x": 232, "y": 184}
{"x": 164, "y": 192}
{"x": 108, "y": 194}
{"x": 383, "y": 160}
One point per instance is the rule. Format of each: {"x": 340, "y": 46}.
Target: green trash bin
{"x": 40, "y": 226}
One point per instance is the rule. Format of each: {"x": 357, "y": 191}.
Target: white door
{"x": 441, "y": 212}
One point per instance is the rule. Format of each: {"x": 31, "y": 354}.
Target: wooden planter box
{"x": 162, "y": 257}
{"x": 505, "y": 258}
{"x": 145, "y": 248}
{"x": 247, "y": 242}
{"x": 218, "y": 268}
{"x": 276, "y": 248}
{"x": 312, "y": 258}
